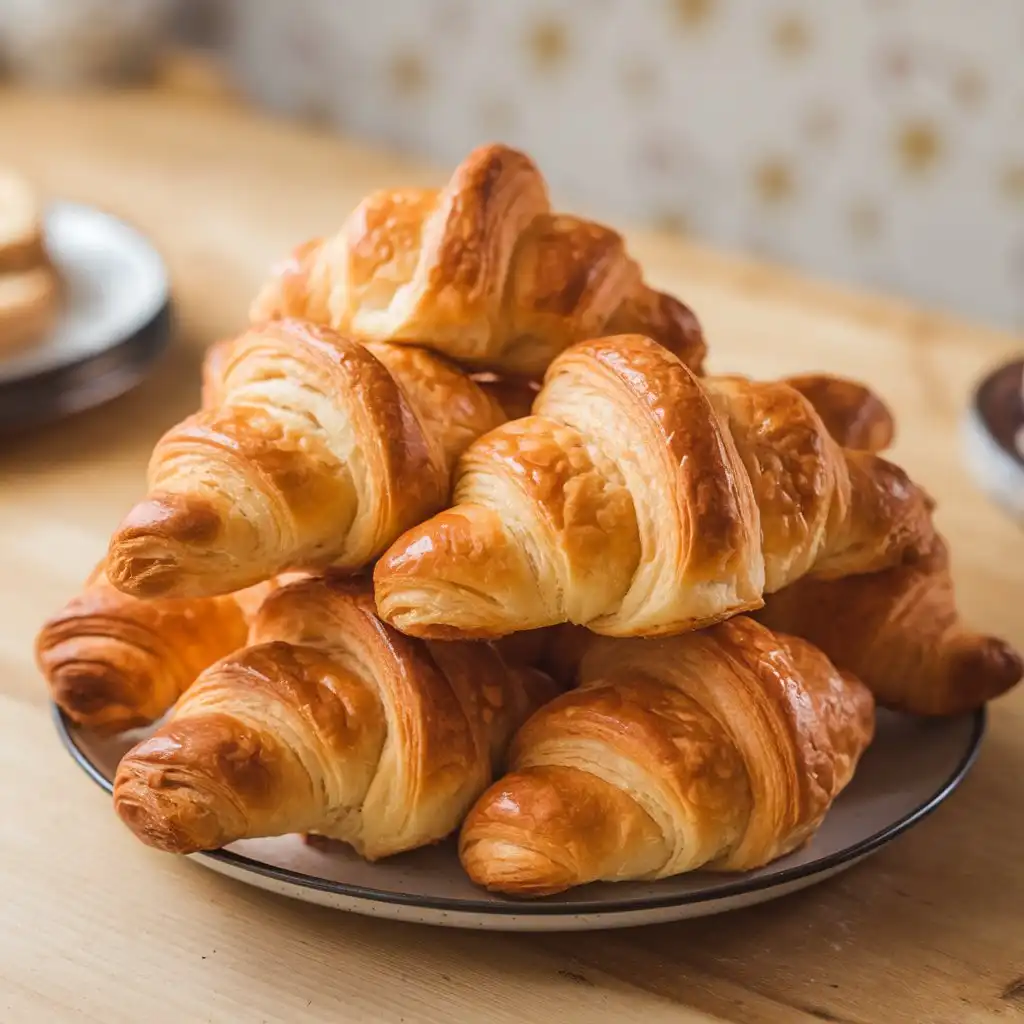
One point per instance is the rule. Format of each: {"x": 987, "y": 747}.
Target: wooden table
{"x": 93, "y": 926}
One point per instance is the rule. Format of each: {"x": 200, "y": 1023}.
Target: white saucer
{"x": 113, "y": 322}
{"x": 912, "y": 766}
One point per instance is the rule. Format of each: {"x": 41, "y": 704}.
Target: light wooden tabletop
{"x": 95, "y": 927}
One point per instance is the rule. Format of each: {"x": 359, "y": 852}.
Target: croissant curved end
{"x": 983, "y": 668}
{"x": 511, "y": 841}
{"x": 169, "y": 808}
{"x": 456, "y": 577}
{"x": 157, "y": 828}
{"x": 514, "y": 868}
{"x": 99, "y": 696}
{"x": 168, "y": 547}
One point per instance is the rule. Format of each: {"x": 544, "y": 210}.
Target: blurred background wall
{"x": 879, "y": 142}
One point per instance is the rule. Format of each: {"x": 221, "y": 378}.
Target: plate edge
{"x": 852, "y": 853}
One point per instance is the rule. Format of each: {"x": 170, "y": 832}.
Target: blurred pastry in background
{"x": 21, "y": 225}
{"x": 28, "y": 282}
{"x": 28, "y": 302}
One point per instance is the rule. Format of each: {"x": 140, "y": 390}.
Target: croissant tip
{"x": 145, "y": 552}
{"x": 92, "y": 696}
{"x": 979, "y": 669}
{"x": 998, "y": 665}
{"x": 150, "y": 828}
{"x": 143, "y": 576}
{"x": 501, "y": 866}
{"x": 148, "y": 803}
{"x": 407, "y": 619}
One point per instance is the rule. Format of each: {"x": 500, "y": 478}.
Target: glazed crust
{"x": 722, "y": 749}
{"x": 640, "y": 500}
{"x": 333, "y": 723}
{"x": 114, "y": 662}
{"x": 311, "y": 450}
{"x": 482, "y": 271}
{"x": 900, "y": 632}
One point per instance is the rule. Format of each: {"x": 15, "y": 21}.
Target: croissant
{"x": 721, "y": 749}
{"x": 330, "y": 723}
{"x": 311, "y": 450}
{"x": 114, "y": 662}
{"x": 900, "y": 632}
{"x": 482, "y": 271}
{"x": 639, "y": 500}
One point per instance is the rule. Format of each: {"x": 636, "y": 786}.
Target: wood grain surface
{"x": 95, "y": 927}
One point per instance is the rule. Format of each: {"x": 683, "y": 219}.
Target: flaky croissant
{"x": 722, "y": 748}
{"x": 640, "y": 500}
{"x": 900, "y": 632}
{"x": 331, "y": 723}
{"x": 311, "y": 450}
{"x": 854, "y": 416}
{"x": 114, "y": 662}
{"x": 482, "y": 271}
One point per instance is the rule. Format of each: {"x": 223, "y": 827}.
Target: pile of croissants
{"x": 463, "y": 540}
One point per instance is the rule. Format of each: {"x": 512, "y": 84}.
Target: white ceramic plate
{"x": 114, "y": 319}
{"x": 912, "y": 766}
{"x": 994, "y": 437}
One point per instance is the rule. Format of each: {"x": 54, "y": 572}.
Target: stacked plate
{"x": 114, "y": 320}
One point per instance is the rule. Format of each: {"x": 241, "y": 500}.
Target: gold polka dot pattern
{"x": 877, "y": 141}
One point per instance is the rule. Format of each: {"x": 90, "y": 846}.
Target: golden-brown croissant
{"x": 311, "y": 450}
{"x": 900, "y": 632}
{"x": 640, "y": 500}
{"x": 482, "y": 271}
{"x": 854, "y": 416}
{"x": 331, "y": 723}
{"x": 114, "y": 662}
{"x": 722, "y": 748}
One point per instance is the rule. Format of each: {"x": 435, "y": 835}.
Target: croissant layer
{"x": 311, "y": 450}
{"x": 114, "y": 662}
{"x": 481, "y": 270}
{"x": 722, "y": 749}
{"x": 638, "y": 499}
{"x": 330, "y": 723}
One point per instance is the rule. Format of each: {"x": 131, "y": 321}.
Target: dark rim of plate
{"x": 551, "y": 906}
{"x": 998, "y": 402}
{"x": 38, "y": 398}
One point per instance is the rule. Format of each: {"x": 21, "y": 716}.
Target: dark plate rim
{"x": 978, "y": 403}
{"x": 33, "y": 401}
{"x": 118, "y": 337}
{"x": 66, "y": 387}
{"x": 550, "y": 906}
